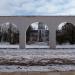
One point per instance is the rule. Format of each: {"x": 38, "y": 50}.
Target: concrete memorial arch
{"x": 23, "y": 23}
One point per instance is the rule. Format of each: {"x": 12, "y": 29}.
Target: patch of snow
{"x": 62, "y": 24}
{"x": 35, "y": 25}
{"x": 7, "y": 45}
{"x": 37, "y": 46}
{"x": 65, "y": 46}
{"x": 14, "y": 68}
{"x": 37, "y": 54}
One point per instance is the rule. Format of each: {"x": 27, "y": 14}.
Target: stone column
{"x": 52, "y": 39}
{"x": 22, "y": 39}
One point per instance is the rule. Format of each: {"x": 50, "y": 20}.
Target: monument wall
{"x": 23, "y": 22}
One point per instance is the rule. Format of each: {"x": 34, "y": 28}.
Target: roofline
{"x": 40, "y": 16}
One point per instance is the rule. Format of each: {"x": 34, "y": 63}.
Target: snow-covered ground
{"x": 30, "y": 55}
{"x": 36, "y": 46}
{"x": 37, "y": 53}
{"x": 15, "y": 68}
{"x": 65, "y": 46}
{"x": 9, "y": 46}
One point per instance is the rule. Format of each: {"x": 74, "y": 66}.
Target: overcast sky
{"x": 37, "y": 7}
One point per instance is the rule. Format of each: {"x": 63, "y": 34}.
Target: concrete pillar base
{"x": 52, "y": 40}
{"x": 52, "y": 46}
{"x": 22, "y": 38}
{"x": 21, "y": 46}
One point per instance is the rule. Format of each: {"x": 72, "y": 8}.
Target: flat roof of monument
{"x": 37, "y": 16}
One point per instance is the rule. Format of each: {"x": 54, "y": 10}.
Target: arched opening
{"x": 9, "y": 35}
{"x": 65, "y": 35}
{"x": 37, "y": 35}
